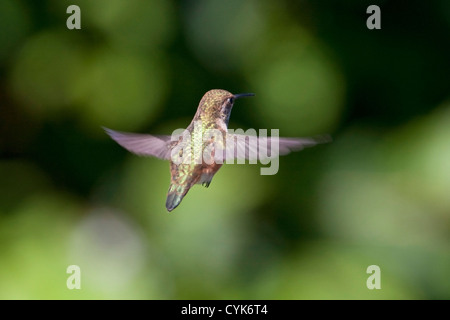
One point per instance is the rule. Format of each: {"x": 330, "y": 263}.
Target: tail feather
{"x": 175, "y": 195}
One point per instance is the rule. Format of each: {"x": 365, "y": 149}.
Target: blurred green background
{"x": 379, "y": 194}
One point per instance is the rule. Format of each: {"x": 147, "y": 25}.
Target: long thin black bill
{"x": 240, "y": 95}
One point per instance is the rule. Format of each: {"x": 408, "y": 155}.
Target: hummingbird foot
{"x": 206, "y": 183}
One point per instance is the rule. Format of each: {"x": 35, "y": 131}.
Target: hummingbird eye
{"x": 231, "y": 100}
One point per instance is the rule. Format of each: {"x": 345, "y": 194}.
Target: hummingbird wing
{"x": 143, "y": 144}
{"x": 260, "y": 148}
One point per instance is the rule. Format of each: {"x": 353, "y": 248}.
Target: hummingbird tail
{"x": 175, "y": 195}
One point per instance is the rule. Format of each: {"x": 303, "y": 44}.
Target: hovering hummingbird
{"x": 213, "y": 114}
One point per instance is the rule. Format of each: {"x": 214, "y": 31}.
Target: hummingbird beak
{"x": 240, "y": 95}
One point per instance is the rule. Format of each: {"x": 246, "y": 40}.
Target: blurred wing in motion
{"x": 261, "y": 148}
{"x": 143, "y": 144}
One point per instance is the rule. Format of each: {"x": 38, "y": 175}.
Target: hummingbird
{"x": 213, "y": 115}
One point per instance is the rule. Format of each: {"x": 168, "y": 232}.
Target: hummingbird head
{"x": 217, "y": 104}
